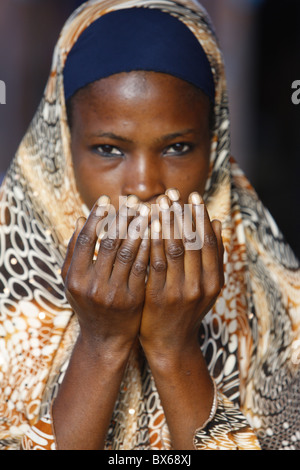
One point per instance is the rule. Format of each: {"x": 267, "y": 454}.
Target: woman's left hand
{"x": 183, "y": 284}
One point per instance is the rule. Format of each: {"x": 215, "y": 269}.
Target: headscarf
{"x": 250, "y": 338}
{"x": 134, "y": 39}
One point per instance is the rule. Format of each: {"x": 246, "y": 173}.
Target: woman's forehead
{"x": 138, "y": 96}
{"x": 127, "y": 85}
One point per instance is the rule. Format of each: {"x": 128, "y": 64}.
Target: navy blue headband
{"x": 137, "y": 39}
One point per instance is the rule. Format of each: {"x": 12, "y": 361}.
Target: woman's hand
{"x": 113, "y": 307}
{"x": 107, "y": 293}
{"x": 183, "y": 283}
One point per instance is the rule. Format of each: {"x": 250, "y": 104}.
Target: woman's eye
{"x": 177, "y": 149}
{"x": 108, "y": 151}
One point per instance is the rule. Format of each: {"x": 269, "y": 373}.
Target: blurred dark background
{"x": 261, "y": 44}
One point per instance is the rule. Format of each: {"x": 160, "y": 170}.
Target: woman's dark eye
{"x": 177, "y": 149}
{"x": 108, "y": 151}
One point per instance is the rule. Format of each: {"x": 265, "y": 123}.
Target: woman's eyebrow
{"x": 164, "y": 138}
{"x": 174, "y": 135}
{"x": 111, "y": 135}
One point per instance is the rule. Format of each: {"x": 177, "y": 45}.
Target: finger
{"x": 139, "y": 270}
{"x": 158, "y": 263}
{"x": 84, "y": 250}
{"x": 71, "y": 247}
{"x": 111, "y": 241}
{"x": 211, "y": 275}
{"x": 171, "y": 216}
{"x": 173, "y": 194}
{"x": 129, "y": 247}
{"x": 193, "y": 239}
{"x": 194, "y": 228}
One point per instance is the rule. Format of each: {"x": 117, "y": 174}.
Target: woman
{"x": 116, "y": 363}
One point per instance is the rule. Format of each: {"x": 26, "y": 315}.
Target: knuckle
{"x": 73, "y": 287}
{"x": 103, "y": 298}
{"x": 139, "y": 268}
{"x": 108, "y": 244}
{"x": 176, "y": 298}
{"x": 83, "y": 240}
{"x": 194, "y": 293}
{"x": 125, "y": 255}
{"x": 175, "y": 251}
{"x": 159, "y": 265}
{"x": 109, "y": 299}
{"x": 92, "y": 293}
{"x": 210, "y": 241}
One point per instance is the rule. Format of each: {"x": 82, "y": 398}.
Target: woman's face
{"x": 139, "y": 133}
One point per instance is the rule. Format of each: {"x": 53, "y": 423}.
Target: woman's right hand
{"x": 107, "y": 293}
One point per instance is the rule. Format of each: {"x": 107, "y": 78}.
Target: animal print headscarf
{"x": 251, "y": 337}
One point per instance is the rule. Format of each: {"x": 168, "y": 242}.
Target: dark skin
{"x": 140, "y": 134}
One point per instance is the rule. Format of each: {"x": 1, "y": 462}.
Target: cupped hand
{"x": 107, "y": 290}
{"x": 183, "y": 283}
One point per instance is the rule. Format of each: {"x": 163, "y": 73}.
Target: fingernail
{"x": 103, "y": 201}
{"x": 102, "y": 210}
{"x": 156, "y": 226}
{"x": 132, "y": 201}
{"x": 173, "y": 194}
{"x": 163, "y": 203}
{"x": 144, "y": 210}
{"x": 196, "y": 199}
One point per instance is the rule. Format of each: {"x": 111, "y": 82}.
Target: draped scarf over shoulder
{"x": 251, "y": 337}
